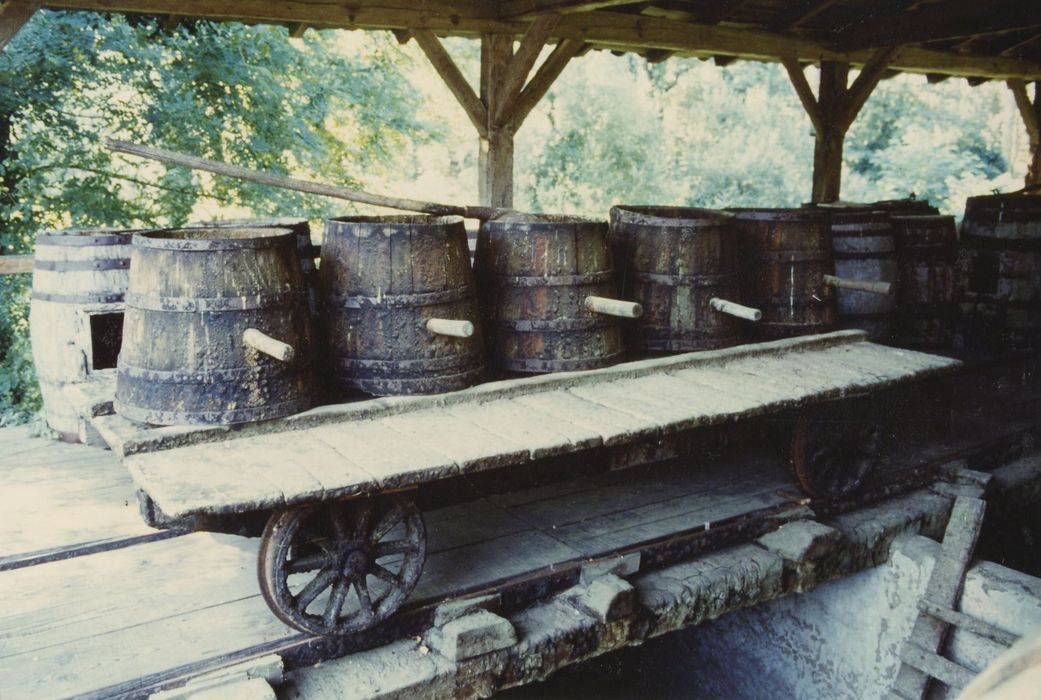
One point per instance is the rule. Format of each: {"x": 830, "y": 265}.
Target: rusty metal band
{"x": 99, "y": 298}
{"x": 556, "y": 280}
{"x": 399, "y": 301}
{"x": 537, "y": 365}
{"x": 851, "y": 230}
{"x": 975, "y": 241}
{"x": 143, "y": 414}
{"x": 434, "y": 384}
{"x": 246, "y": 302}
{"x": 688, "y": 343}
{"x": 682, "y": 280}
{"x": 166, "y": 239}
{"x": 83, "y": 265}
{"x": 353, "y": 365}
{"x": 74, "y": 241}
{"x": 793, "y": 256}
{"x": 557, "y": 324}
{"x": 269, "y": 369}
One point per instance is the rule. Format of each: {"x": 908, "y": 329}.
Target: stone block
{"x": 810, "y": 551}
{"x": 240, "y": 689}
{"x": 460, "y": 607}
{"x": 472, "y": 635}
{"x": 607, "y": 598}
{"x": 622, "y": 565}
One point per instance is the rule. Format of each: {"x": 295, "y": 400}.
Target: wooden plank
{"x": 470, "y": 446}
{"x": 939, "y": 667}
{"x": 542, "y": 435}
{"x": 15, "y": 264}
{"x": 538, "y": 8}
{"x": 475, "y": 110}
{"x": 968, "y": 623}
{"x": 14, "y": 14}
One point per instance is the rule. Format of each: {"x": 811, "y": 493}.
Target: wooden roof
{"x": 971, "y": 38}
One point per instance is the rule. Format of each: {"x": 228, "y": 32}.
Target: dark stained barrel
{"x": 785, "y": 254}
{"x": 862, "y": 242}
{"x": 905, "y": 207}
{"x": 381, "y": 280}
{"x": 673, "y": 261}
{"x": 1000, "y": 272}
{"x": 926, "y": 251}
{"x": 535, "y": 273}
{"x": 193, "y": 295}
{"x": 80, "y": 278}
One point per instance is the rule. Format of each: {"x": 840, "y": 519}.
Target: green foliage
{"x": 245, "y": 95}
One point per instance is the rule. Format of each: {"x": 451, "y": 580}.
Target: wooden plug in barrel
{"x": 736, "y": 310}
{"x": 785, "y": 255}
{"x": 536, "y": 274}
{"x": 999, "y": 272}
{"x": 674, "y": 261}
{"x": 80, "y": 278}
{"x": 399, "y": 306}
{"x": 925, "y": 310}
{"x": 217, "y": 328}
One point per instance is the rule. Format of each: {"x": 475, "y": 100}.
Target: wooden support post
{"x": 833, "y": 111}
{"x": 1030, "y": 110}
{"x": 13, "y": 16}
{"x": 495, "y": 163}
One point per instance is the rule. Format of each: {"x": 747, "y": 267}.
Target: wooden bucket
{"x": 399, "y": 305}
{"x": 785, "y": 255}
{"x": 1000, "y": 272}
{"x": 926, "y": 251}
{"x": 540, "y": 278}
{"x": 863, "y": 247}
{"x": 679, "y": 264}
{"x": 217, "y": 329}
{"x": 76, "y": 314}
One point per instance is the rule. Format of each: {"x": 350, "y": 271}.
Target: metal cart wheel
{"x": 834, "y": 447}
{"x": 337, "y": 567}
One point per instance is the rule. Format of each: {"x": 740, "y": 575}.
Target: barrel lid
{"x": 214, "y": 238}
{"x": 86, "y": 237}
{"x": 655, "y": 215}
{"x": 296, "y": 224}
{"x": 1010, "y": 207}
{"x": 779, "y": 214}
{"x": 538, "y": 222}
{"x": 365, "y": 225}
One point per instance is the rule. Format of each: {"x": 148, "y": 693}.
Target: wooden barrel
{"x": 674, "y": 261}
{"x": 535, "y": 274}
{"x": 910, "y": 206}
{"x": 862, "y": 243}
{"x": 382, "y": 279}
{"x": 785, "y": 255}
{"x": 1000, "y": 272}
{"x": 198, "y": 301}
{"x": 76, "y": 314}
{"x": 926, "y": 251}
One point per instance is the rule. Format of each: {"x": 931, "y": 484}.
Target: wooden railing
{"x": 15, "y": 264}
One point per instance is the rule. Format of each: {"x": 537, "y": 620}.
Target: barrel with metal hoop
{"x": 862, "y": 243}
{"x": 79, "y": 282}
{"x": 548, "y": 293}
{"x": 926, "y": 251}
{"x": 681, "y": 265}
{"x": 217, "y": 329}
{"x": 786, "y": 254}
{"x": 399, "y": 305}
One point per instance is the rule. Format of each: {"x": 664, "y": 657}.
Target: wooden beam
{"x": 721, "y": 10}
{"x": 402, "y": 36}
{"x": 453, "y": 77}
{"x": 805, "y": 92}
{"x": 802, "y": 12}
{"x": 15, "y": 264}
{"x": 13, "y": 16}
{"x": 543, "y": 79}
{"x": 832, "y": 101}
{"x": 935, "y": 78}
{"x": 723, "y": 61}
{"x": 520, "y": 65}
{"x": 865, "y": 83}
{"x": 1029, "y": 111}
{"x": 657, "y": 55}
{"x": 296, "y": 31}
{"x": 495, "y": 161}
{"x": 1019, "y": 45}
{"x": 534, "y": 8}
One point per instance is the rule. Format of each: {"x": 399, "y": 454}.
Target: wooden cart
{"x": 344, "y": 542}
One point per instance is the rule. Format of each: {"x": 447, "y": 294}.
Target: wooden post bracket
{"x": 1030, "y": 111}
{"x": 13, "y": 16}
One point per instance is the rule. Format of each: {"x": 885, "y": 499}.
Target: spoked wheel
{"x": 834, "y": 447}
{"x": 332, "y": 568}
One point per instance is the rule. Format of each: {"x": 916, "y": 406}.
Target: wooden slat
{"x": 453, "y": 77}
{"x": 13, "y": 16}
{"x": 15, "y": 264}
{"x": 943, "y": 669}
{"x": 970, "y": 624}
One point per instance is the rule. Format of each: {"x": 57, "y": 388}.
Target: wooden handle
{"x": 262, "y": 342}
{"x": 614, "y": 307}
{"x": 456, "y": 329}
{"x": 728, "y": 307}
{"x": 291, "y": 183}
{"x": 858, "y": 285}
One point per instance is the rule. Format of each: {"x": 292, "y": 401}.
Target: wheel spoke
{"x": 386, "y": 575}
{"x": 384, "y": 549}
{"x": 364, "y": 600}
{"x": 335, "y": 604}
{"x": 361, "y": 522}
{"x": 387, "y": 523}
{"x": 311, "y": 591}
{"x": 315, "y": 561}
{"x": 339, "y": 521}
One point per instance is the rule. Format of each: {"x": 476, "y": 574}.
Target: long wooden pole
{"x": 292, "y": 183}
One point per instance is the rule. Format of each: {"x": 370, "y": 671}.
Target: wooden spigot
{"x": 262, "y": 342}
{"x": 614, "y": 307}
{"x": 728, "y": 307}
{"x": 869, "y": 286}
{"x": 456, "y": 329}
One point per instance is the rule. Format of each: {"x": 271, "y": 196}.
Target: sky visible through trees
{"x": 359, "y": 110}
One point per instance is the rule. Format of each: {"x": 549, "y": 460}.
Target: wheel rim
{"x": 833, "y": 450}
{"x": 333, "y": 568}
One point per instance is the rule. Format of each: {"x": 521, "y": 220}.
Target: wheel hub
{"x": 355, "y": 561}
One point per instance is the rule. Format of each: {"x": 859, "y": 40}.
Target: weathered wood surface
{"x": 15, "y": 264}
{"x": 59, "y": 500}
{"x": 432, "y": 438}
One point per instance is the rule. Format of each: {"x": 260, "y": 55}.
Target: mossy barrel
{"x": 1000, "y": 272}
{"x": 674, "y": 261}
{"x": 863, "y": 248}
{"x": 197, "y": 302}
{"x": 785, "y": 254}
{"x": 926, "y": 253}
{"x": 536, "y": 274}
{"x": 80, "y": 279}
{"x": 386, "y": 283}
